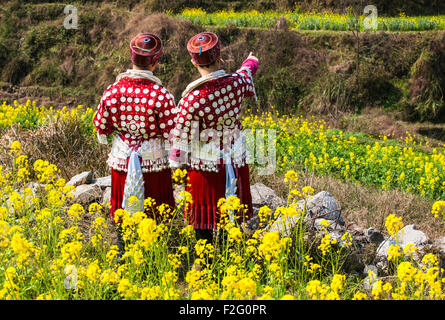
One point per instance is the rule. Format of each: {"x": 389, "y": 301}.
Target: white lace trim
{"x": 138, "y": 74}
{"x": 209, "y": 156}
{"x": 153, "y": 151}
{"x": 214, "y": 75}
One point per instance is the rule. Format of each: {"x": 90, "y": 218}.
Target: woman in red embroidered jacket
{"x": 207, "y": 137}
{"x": 139, "y": 111}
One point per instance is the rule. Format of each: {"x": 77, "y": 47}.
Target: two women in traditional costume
{"x": 152, "y": 135}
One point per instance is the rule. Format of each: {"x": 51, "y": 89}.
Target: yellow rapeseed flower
{"x": 393, "y": 224}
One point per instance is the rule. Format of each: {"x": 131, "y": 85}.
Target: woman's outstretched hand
{"x": 251, "y": 56}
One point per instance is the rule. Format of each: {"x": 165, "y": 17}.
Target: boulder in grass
{"x": 103, "y": 182}
{"x": 87, "y": 193}
{"x": 35, "y": 187}
{"x": 407, "y": 235}
{"x": 323, "y": 205}
{"x": 438, "y": 246}
{"x": 82, "y": 178}
{"x": 283, "y": 226}
{"x": 373, "y": 235}
{"x": 320, "y": 225}
{"x": 107, "y": 195}
{"x": 262, "y": 196}
{"x": 371, "y": 278}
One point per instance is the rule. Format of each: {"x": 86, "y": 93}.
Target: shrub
{"x": 427, "y": 82}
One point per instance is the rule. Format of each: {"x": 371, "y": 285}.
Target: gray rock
{"x": 332, "y": 225}
{"x": 283, "y": 226}
{"x": 262, "y": 196}
{"x": 408, "y": 234}
{"x": 27, "y": 202}
{"x": 319, "y": 205}
{"x": 336, "y": 235}
{"x": 373, "y": 235}
{"x": 439, "y": 244}
{"x": 322, "y": 203}
{"x": 82, "y": 178}
{"x": 103, "y": 182}
{"x": 371, "y": 267}
{"x": 87, "y": 193}
{"x": 107, "y": 195}
{"x": 35, "y": 187}
{"x": 368, "y": 282}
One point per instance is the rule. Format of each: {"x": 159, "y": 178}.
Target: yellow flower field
{"x": 309, "y": 21}
{"x": 46, "y": 253}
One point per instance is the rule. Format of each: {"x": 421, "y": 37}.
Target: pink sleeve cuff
{"x": 252, "y": 64}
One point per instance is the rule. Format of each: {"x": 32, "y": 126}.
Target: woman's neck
{"x": 148, "y": 68}
{"x": 206, "y": 71}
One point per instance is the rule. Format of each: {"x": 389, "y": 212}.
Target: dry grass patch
{"x": 61, "y": 143}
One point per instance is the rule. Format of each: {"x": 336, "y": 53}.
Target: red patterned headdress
{"x": 204, "y": 48}
{"x": 145, "y": 49}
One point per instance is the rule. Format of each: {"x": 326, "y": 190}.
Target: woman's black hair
{"x": 209, "y": 65}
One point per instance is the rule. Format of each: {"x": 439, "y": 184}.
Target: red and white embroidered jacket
{"x": 208, "y": 126}
{"x": 140, "y": 113}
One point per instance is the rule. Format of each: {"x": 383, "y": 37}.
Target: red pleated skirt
{"x": 157, "y": 185}
{"x": 206, "y": 188}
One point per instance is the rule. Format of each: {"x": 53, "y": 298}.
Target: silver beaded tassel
{"x": 134, "y": 185}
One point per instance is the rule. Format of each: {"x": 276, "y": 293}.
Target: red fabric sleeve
{"x": 247, "y": 70}
{"x": 185, "y": 121}
{"x": 166, "y": 111}
{"x": 102, "y": 118}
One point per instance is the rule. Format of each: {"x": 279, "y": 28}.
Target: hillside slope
{"x": 299, "y": 71}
